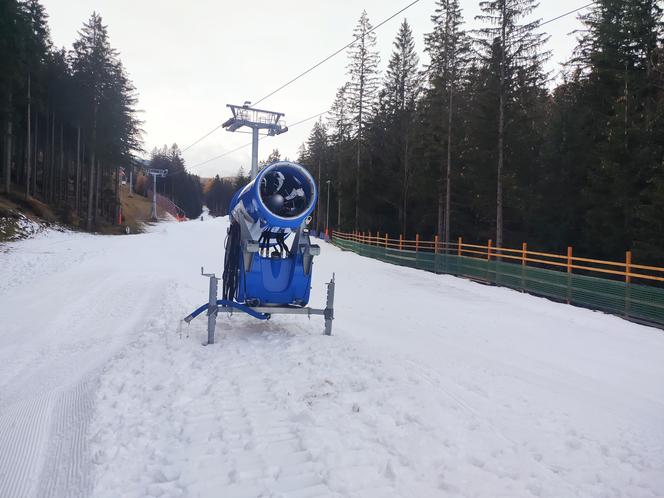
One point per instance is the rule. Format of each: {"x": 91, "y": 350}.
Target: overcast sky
{"x": 188, "y": 59}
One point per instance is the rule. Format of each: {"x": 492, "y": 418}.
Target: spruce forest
{"x": 479, "y": 142}
{"x": 68, "y": 116}
{"x": 483, "y": 143}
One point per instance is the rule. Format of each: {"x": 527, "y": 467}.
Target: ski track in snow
{"x": 64, "y": 313}
{"x": 431, "y": 386}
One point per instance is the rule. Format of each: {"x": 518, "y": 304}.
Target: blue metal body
{"x": 272, "y": 276}
{"x": 274, "y": 281}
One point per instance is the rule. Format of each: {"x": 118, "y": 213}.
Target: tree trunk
{"x": 91, "y": 191}
{"x": 77, "y": 189}
{"x": 406, "y": 182}
{"x": 357, "y": 184}
{"x": 501, "y": 134}
{"x": 28, "y": 147}
{"x": 35, "y": 154}
{"x": 359, "y": 157}
{"x": 100, "y": 172}
{"x": 318, "y": 203}
{"x": 441, "y": 200}
{"x": 339, "y": 166}
{"x": 91, "y": 186}
{"x": 51, "y": 176}
{"x": 448, "y": 183}
{"x": 47, "y": 156}
{"x": 8, "y": 148}
{"x": 118, "y": 206}
{"x": 62, "y": 183}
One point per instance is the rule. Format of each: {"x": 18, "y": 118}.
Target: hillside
{"x": 21, "y": 219}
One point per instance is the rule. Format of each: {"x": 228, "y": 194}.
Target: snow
{"x": 18, "y": 227}
{"x": 430, "y": 386}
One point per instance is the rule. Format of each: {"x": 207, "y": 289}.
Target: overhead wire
{"x": 566, "y": 14}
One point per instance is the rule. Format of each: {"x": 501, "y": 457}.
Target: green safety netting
{"x": 633, "y": 301}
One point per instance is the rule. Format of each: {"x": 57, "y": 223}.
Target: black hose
{"x": 231, "y": 262}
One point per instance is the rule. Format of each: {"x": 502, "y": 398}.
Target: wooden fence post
{"x": 524, "y": 260}
{"x": 386, "y": 240}
{"x": 459, "y": 246}
{"x": 628, "y": 267}
{"x": 628, "y": 281}
{"x": 570, "y": 262}
{"x": 488, "y": 250}
{"x": 417, "y": 242}
{"x": 436, "y": 244}
{"x": 524, "y": 250}
{"x": 401, "y": 242}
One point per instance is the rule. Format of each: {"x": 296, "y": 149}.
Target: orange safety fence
{"x": 569, "y": 263}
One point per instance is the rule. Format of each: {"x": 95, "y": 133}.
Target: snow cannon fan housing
{"x": 260, "y": 267}
{"x": 281, "y": 196}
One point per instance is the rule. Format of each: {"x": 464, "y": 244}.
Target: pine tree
{"x": 10, "y": 41}
{"x": 617, "y": 56}
{"x": 107, "y": 98}
{"x": 363, "y": 84}
{"x": 339, "y": 125}
{"x": 90, "y": 60}
{"x": 448, "y": 46}
{"x": 520, "y": 57}
{"x": 401, "y": 91}
{"x": 36, "y": 46}
{"x": 314, "y": 157}
{"x": 275, "y": 156}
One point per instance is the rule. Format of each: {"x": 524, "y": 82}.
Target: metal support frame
{"x": 155, "y": 173}
{"x": 212, "y": 309}
{"x": 256, "y": 119}
{"x": 254, "y": 152}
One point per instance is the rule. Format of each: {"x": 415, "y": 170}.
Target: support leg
{"x": 329, "y": 307}
{"x": 212, "y": 309}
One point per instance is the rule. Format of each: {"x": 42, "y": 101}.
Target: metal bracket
{"x": 329, "y": 307}
{"x": 212, "y": 305}
{"x": 213, "y": 308}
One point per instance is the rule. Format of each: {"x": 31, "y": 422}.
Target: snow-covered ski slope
{"x": 430, "y": 386}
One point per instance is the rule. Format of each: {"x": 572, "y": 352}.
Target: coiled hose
{"x": 231, "y": 263}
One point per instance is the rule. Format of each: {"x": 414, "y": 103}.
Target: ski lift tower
{"x": 161, "y": 173}
{"x": 256, "y": 119}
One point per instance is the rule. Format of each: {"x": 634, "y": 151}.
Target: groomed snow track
{"x": 431, "y": 385}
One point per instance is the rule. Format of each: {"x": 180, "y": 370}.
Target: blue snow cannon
{"x": 269, "y": 256}
{"x": 260, "y": 269}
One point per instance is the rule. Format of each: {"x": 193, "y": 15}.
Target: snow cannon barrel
{"x": 282, "y": 195}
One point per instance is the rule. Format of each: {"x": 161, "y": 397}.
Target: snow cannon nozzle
{"x": 282, "y": 195}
